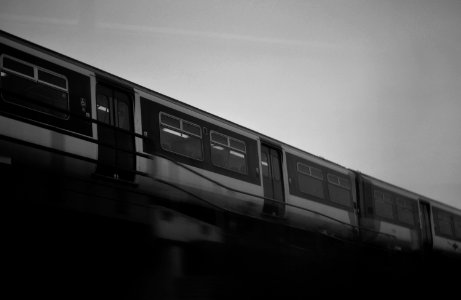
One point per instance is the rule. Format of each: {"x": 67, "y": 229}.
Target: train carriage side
{"x": 321, "y": 195}
{"x": 445, "y": 228}
{"x": 389, "y": 215}
{"x": 62, "y": 115}
{"x": 201, "y": 159}
{"x": 46, "y": 110}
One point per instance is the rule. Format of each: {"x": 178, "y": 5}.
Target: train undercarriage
{"x": 73, "y": 238}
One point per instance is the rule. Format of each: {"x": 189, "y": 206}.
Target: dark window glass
{"x": 224, "y": 156}
{"x": 340, "y": 181}
{"x": 317, "y": 173}
{"x": 311, "y": 171}
{"x": 333, "y": 179}
{"x": 167, "y": 120}
{"x": 339, "y": 195}
{"x": 103, "y": 108}
{"x": 345, "y": 183}
{"x": 52, "y": 79}
{"x": 383, "y": 205}
{"x": 30, "y": 94}
{"x": 18, "y": 67}
{"x": 219, "y": 155}
{"x": 275, "y": 168}
{"x": 264, "y": 164}
{"x": 310, "y": 185}
{"x": 178, "y": 141}
{"x": 191, "y": 128}
{"x": 219, "y": 138}
{"x": 181, "y": 143}
{"x": 405, "y": 211}
{"x": 457, "y": 226}
{"x": 304, "y": 169}
{"x": 237, "y": 162}
{"x": 123, "y": 111}
{"x": 237, "y": 145}
{"x": 444, "y": 223}
{"x": 227, "y": 158}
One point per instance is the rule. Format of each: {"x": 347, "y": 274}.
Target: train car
{"x": 398, "y": 219}
{"x": 389, "y": 215}
{"x": 321, "y": 195}
{"x": 64, "y": 116}
{"x": 443, "y": 226}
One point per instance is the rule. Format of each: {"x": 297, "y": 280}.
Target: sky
{"x": 374, "y": 86}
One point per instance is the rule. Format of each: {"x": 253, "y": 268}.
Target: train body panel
{"x": 329, "y": 209}
{"x": 209, "y": 189}
{"x": 317, "y": 217}
{"x": 29, "y": 145}
{"x": 389, "y": 214}
{"x": 84, "y": 122}
{"x": 446, "y": 228}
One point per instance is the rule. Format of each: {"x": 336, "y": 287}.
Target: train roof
{"x": 198, "y": 110}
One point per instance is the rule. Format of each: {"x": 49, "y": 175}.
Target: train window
{"x": 103, "y": 108}
{"x": 339, "y": 181}
{"x": 123, "y": 110}
{"x": 237, "y": 145}
{"x": 18, "y": 67}
{"x": 339, "y": 190}
{"x": 191, "y": 128}
{"x": 170, "y": 121}
{"x": 311, "y": 171}
{"x": 180, "y": 137}
{"x": 35, "y": 88}
{"x": 264, "y": 164}
{"x": 443, "y": 223}
{"x": 275, "y": 168}
{"x": 310, "y": 180}
{"x": 457, "y": 221}
{"x": 229, "y": 153}
{"x": 384, "y": 207}
{"x": 405, "y": 210}
{"x": 52, "y": 79}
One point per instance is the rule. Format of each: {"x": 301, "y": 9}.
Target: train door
{"x": 116, "y": 157}
{"x": 272, "y": 181}
{"x": 426, "y": 227}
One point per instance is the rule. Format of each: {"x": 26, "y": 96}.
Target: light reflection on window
{"x": 183, "y": 135}
{"x": 103, "y": 108}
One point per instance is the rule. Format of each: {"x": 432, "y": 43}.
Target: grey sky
{"x": 372, "y": 85}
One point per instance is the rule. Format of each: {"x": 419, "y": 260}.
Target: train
{"x": 61, "y": 115}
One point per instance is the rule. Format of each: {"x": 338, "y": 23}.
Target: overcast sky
{"x": 372, "y": 85}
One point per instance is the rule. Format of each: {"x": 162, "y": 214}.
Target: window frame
{"x": 181, "y": 131}
{"x": 338, "y": 183}
{"x": 310, "y": 171}
{"x": 36, "y": 80}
